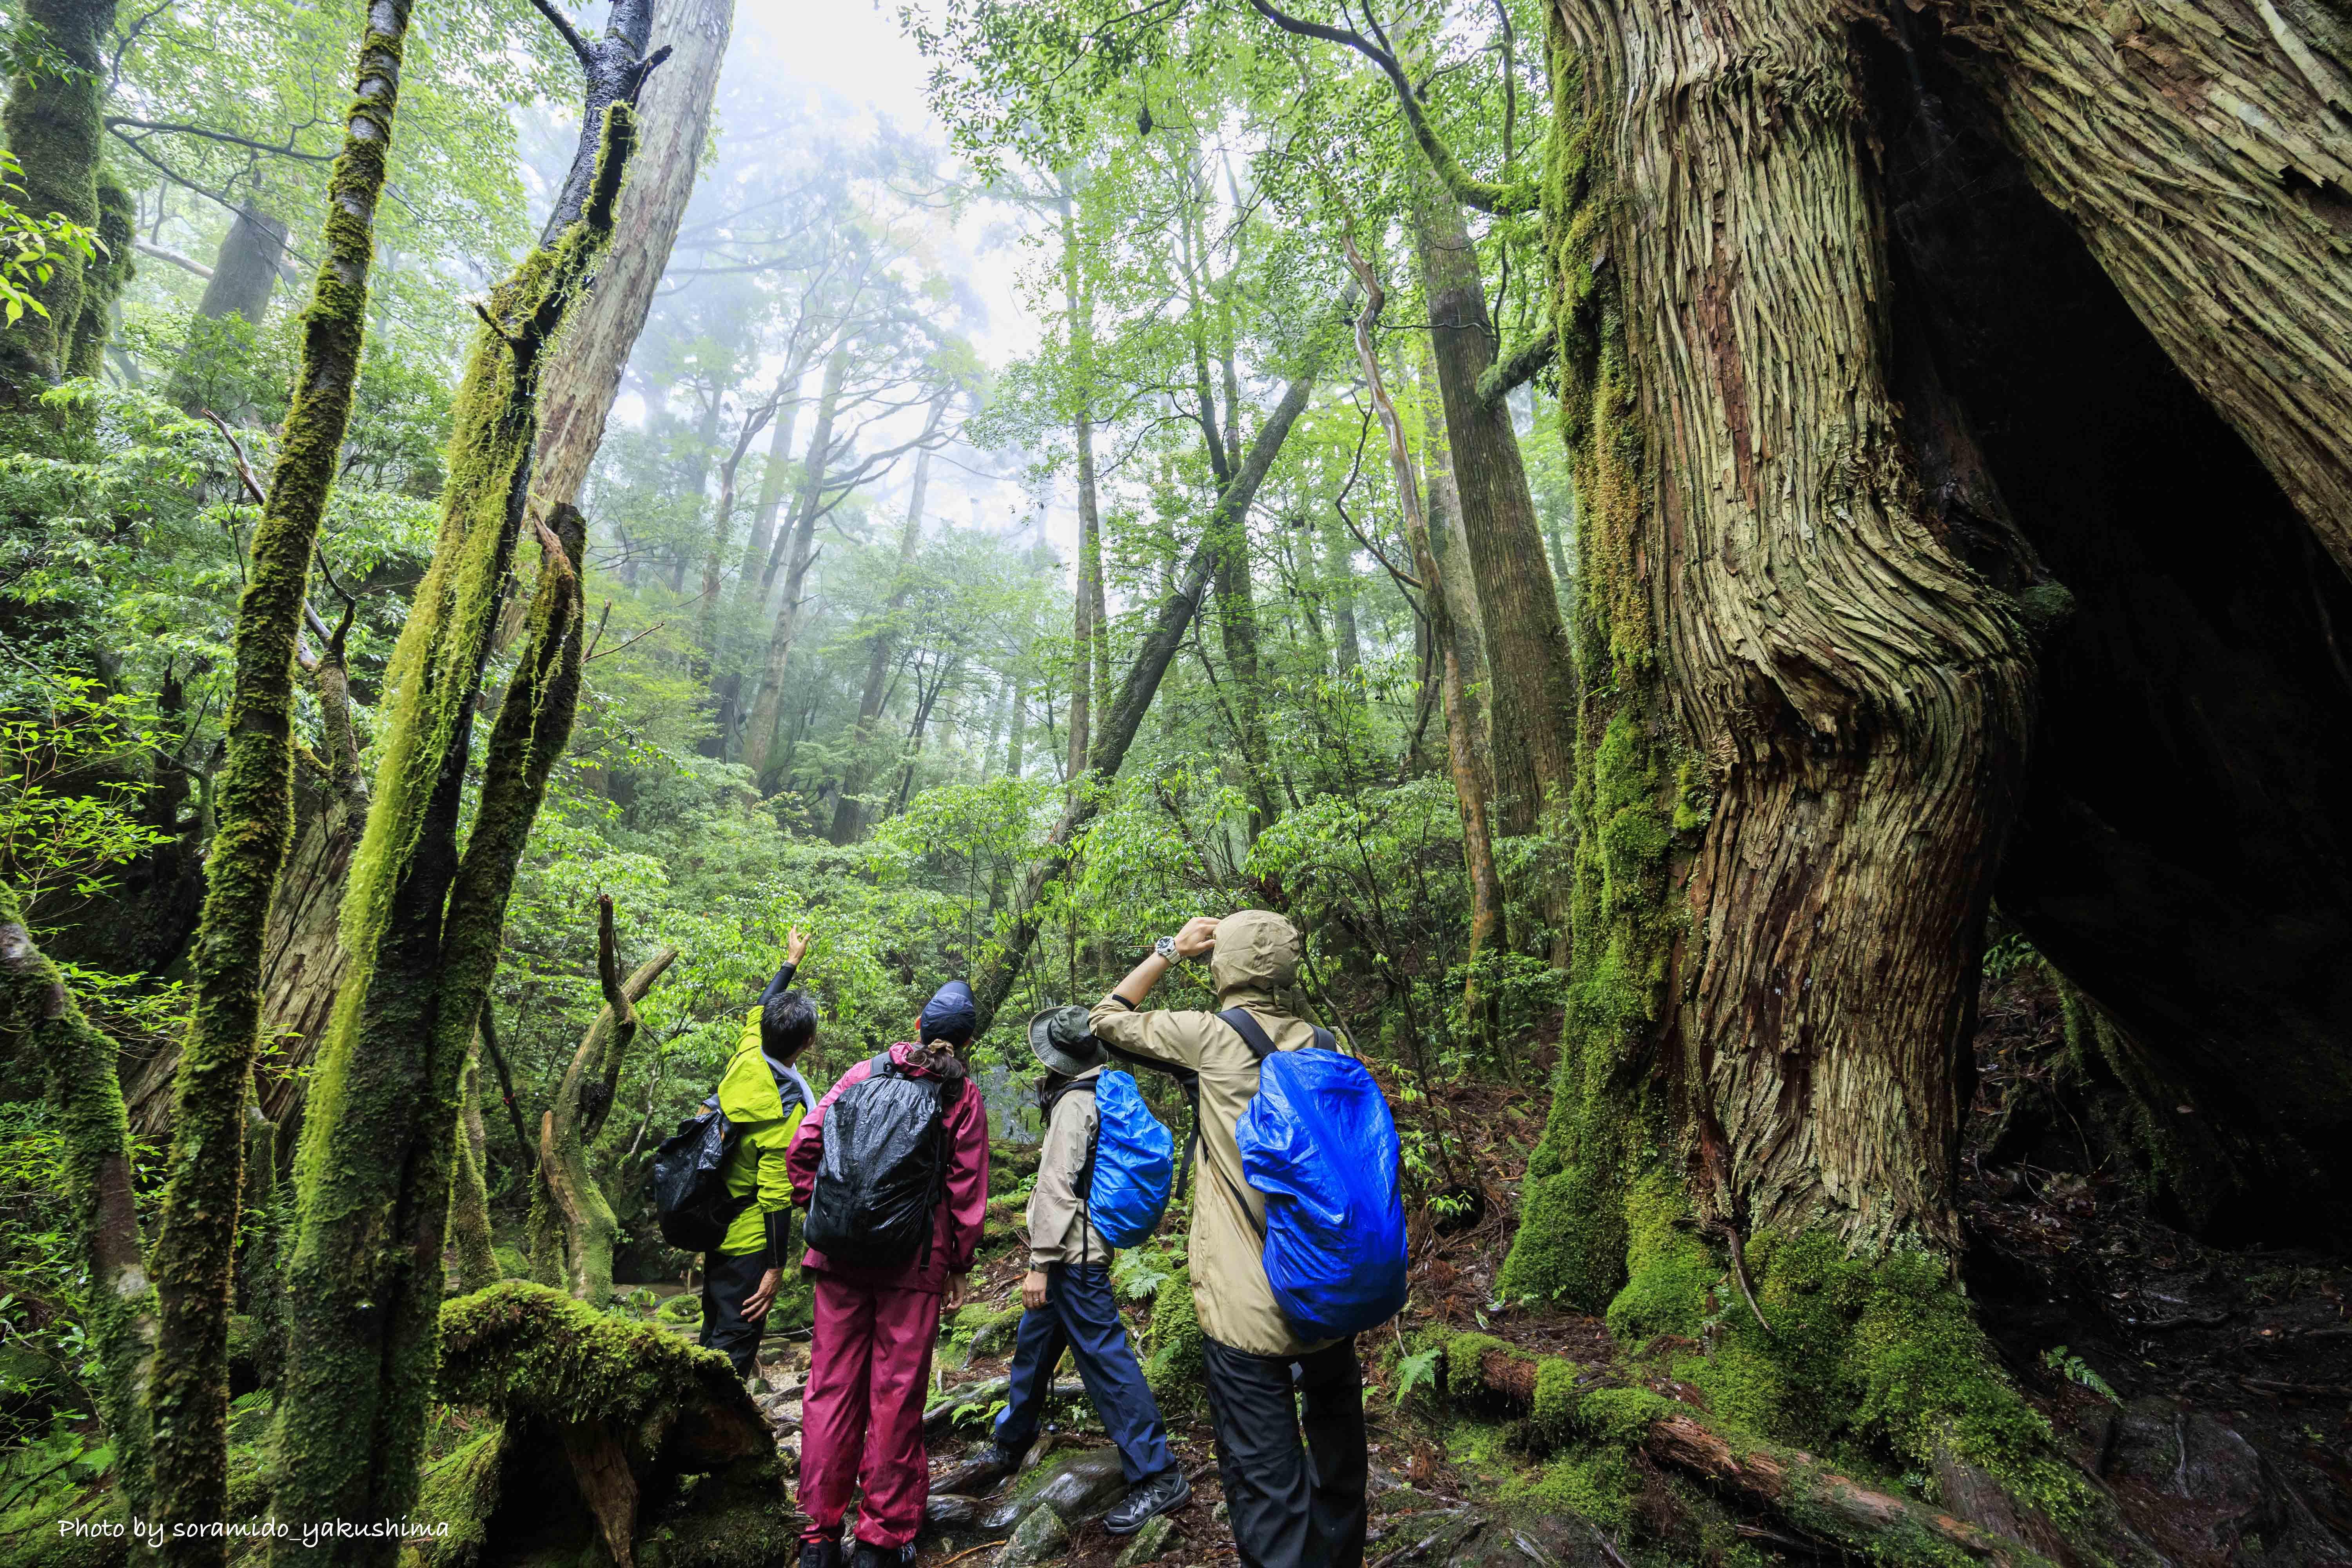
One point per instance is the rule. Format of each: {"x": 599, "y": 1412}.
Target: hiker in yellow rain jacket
{"x": 764, "y": 1099}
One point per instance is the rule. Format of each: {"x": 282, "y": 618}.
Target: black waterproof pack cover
{"x": 883, "y": 1171}
{"x": 689, "y": 1193}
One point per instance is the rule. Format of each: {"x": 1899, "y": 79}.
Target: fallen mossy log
{"x": 604, "y": 1432}
{"x": 1567, "y": 1398}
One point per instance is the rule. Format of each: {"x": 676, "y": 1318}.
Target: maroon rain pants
{"x": 862, "y": 1418}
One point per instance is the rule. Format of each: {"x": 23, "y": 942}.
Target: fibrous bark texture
{"x": 2203, "y": 150}
{"x": 194, "y": 1250}
{"x": 1858, "y": 695}
{"x": 2181, "y": 852}
{"x": 585, "y": 374}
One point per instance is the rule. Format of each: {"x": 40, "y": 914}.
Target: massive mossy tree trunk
{"x": 421, "y": 920}
{"x": 54, "y": 124}
{"x": 674, "y": 115}
{"x": 195, "y": 1248}
{"x": 103, "y": 279}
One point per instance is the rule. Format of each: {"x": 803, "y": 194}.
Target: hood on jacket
{"x": 928, "y": 1062}
{"x": 1256, "y": 950}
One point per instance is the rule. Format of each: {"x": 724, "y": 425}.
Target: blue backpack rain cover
{"x": 1319, "y": 1142}
{"x": 1134, "y": 1163}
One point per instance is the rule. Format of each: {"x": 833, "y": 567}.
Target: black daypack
{"x": 883, "y": 1170}
{"x": 690, "y": 1197}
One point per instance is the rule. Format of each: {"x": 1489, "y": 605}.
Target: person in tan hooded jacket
{"x": 1293, "y": 1504}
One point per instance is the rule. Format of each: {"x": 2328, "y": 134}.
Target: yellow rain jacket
{"x": 755, "y": 1167}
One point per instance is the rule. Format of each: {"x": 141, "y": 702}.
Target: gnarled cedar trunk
{"x": 1852, "y": 695}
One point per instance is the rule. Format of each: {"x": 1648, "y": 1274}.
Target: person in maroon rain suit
{"x": 870, "y": 1355}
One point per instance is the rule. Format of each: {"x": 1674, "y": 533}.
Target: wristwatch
{"x": 1166, "y": 948}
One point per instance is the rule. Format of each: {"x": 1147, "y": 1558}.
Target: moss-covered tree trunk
{"x": 473, "y": 1255}
{"x": 583, "y": 1100}
{"x": 421, "y": 922}
{"x": 77, "y": 1066}
{"x": 203, "y": 1198}
{"x": 103, "y": 279}
{"x": 54, "y": 124}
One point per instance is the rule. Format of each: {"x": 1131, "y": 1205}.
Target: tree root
{"x": 1790, "y": 1484}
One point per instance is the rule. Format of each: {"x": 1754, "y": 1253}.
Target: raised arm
{"x": 796, "y": 943}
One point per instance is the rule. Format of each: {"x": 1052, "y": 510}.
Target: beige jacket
{"x": 1060, "y": 1231}
{"x": 1257, "y": 957}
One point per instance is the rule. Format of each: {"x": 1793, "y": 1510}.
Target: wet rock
{"x": 1477, "y": 1538}
{"x": 951, "y": 1510}
{"x": 973, "y": 1477}
{"x": 1042, "y": 1535}
{"x": 1149, "y": 1543}
{"x": 1076, "y": 1486}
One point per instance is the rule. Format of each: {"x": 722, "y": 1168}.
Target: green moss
{"x": 1668, "y": 1268}
{"x": 1622, "y": 1415}
{"x": 522, "y": 1348}
{"x": 1174, "y": 1362}
{"x": 1599, "y": 1485}
{"x": 1462, "y": 1354}
{"x": 680, "y": 1309}
{"x": 460, "y": 1489}
{"x": 53, "y": 125}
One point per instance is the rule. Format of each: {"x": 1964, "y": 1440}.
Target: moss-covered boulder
{"x": 1173, "y": 1361}
{"x": 602, "y": 1435}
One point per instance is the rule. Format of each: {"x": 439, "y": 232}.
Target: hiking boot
{"x": 869, "y": 1556}
{"x": 821, "y": 1553}
{"x": 1162, "y": 1493}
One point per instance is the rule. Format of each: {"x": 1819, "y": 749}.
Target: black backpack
{"x": 883, "y": 1171}
{"x": 690, "y": 1197}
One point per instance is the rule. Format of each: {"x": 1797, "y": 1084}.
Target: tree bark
{"x": 203, "y": 1196}
{"x": 1766, "y": 583}
{"x": 849, "y": 811}
{"x": 585, "y": 374}
{"x": 759, "y": 745}
{"x": 1532, "y": 689}
{"x": 245, "y": 267}
{"x": 1461, "y": 737}
{"x": 53, "y": 124}
{"x": 420, "y": 922}
{"x": 1125, "y": 715}
{"x": 2211, "y": 188}
{"x": 475, "y": 1260}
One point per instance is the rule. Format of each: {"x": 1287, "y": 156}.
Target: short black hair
{"x": 787, "y": 1024}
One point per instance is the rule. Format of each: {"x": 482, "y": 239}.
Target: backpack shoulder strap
{"x": 1239, "y": 1021}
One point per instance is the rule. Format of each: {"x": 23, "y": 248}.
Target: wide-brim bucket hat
{"x": 1062, "y": 1039}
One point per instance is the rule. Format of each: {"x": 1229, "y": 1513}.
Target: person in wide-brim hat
{"x": 1069, "y": 1301}
{"x": 1063, "y": 1040}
